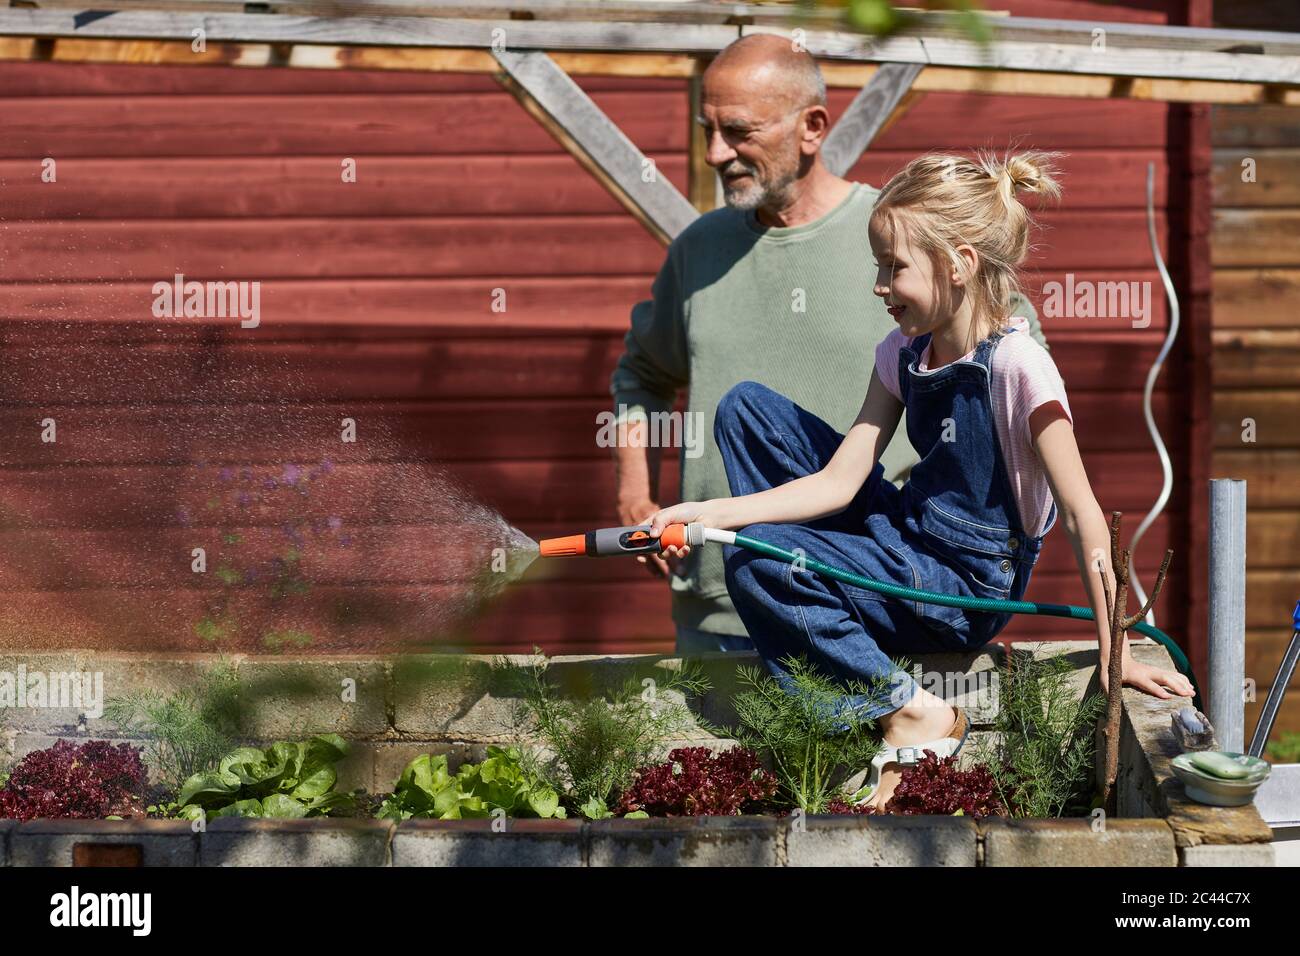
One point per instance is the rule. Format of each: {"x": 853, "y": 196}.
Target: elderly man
{"x": 775, "y": 287}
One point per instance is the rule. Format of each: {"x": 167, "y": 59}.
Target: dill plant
{"x": 807, "y": 735}
{"x": 1042, "y": 751}
{"x": 598, "y": 742}
{"x": 187, "y": 731}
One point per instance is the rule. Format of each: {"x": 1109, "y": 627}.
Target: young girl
{"x": 987, "y": 413}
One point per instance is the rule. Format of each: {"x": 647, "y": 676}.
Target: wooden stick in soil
{"x": 1120, "y": 622}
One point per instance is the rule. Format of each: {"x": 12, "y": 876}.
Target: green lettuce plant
{"x": 285, "y": 780}
{"x": 428, "y": 789}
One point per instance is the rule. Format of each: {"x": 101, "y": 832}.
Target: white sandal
{"x": 911, "y": 754}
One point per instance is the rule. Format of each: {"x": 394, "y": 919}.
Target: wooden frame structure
{"x": 535, "y": 47}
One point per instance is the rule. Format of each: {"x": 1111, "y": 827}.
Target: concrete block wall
{"x": 406, "y": 706}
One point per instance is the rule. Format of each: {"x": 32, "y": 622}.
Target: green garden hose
{"x": 969, "y": 603}
{"x": 640, "y": 539}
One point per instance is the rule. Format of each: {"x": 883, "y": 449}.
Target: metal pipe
{"x": 1227, "y": 583}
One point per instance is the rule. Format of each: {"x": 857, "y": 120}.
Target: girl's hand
{"x": 683, "y": 513}
{"x": 1151, "y": 680}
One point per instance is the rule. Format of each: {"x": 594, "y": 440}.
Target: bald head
{"x": 770, "y": 68}
{"x": 763, "y": 109}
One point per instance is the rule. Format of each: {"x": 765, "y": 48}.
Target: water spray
{"x": 639, "y": 539}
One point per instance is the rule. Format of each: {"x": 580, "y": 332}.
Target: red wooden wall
{"x": 377, "y": 304}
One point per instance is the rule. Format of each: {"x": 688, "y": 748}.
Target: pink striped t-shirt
{"x": 1023, "y": 378}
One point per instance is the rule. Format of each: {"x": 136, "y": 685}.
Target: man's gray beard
{"x": 761, "y": 194}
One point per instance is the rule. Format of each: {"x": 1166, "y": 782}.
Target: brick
{"x": 882, "y": 841}
{"x": 307, "y": 842}
{"x": 677, "y": 841}
{"x": 52, "y": 842}
{"x": 1074, "y": 842}
{"x": 476, "y": 843}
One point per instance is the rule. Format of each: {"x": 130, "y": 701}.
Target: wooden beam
{"x": 824, "y": 16}
{"x": 1107, "y": 60}
{"x": 838, "y": 74}
{"x": 578, "y": 124}
{"x": 705, "y": 39}
{"x": 867, "y": 115}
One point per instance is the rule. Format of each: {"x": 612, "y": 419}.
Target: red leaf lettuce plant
{"x": 697, "y": 782}
{"x": 89, "y": 781}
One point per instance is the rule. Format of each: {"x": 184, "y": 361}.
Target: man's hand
{"x": 639, "y": 512}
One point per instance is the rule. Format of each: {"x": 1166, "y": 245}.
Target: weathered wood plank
{"x": 454, "y": 247}
{"x": 241, "y": 187}
{"x": 1273, "y": 412}
{"x": 1175, "y": 63}
{"x": 578, "y": 124}
{"x": 1274, "y": 177}
{"x": 1257, "y": 237}
{"x": 704, "y": 187}
{"x": 1254, "y": 127}
{"x": 542, "y": 429}
{"x": 134, "y": 496}
{"x": 467, "y": 62}
{"x": 1246, "y": 360}
{"x": 1255, "y": 298}
{"x": 1269, "y": 473}
{"x": 1117, "y": 33}
{"x": 867, "y": 115}
{"x": 344, "y": 308}
{"x": 475, "y": 124}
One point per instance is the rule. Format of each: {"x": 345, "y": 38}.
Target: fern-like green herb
{"x": 597, "y": 741}
{"x": 188, "y": 731}
{"x": 1042, "y": 751}
{"x": 807, "y": 734}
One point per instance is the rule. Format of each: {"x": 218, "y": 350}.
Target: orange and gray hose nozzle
{"x": 633, "y": 539}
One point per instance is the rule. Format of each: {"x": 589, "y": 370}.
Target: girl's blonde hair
{"x": 946, "y": 201}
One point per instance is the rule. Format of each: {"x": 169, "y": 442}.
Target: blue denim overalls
{"x": 954, "y": 527}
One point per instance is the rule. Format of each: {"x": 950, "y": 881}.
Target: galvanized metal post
{"x": 1227, "y": 651}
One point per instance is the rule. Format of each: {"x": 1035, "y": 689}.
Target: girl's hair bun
{"x": 1032, "y": 172}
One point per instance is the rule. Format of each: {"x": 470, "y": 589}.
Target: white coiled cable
{"x": 1165, "y": 463}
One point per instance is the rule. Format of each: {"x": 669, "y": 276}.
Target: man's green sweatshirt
{"x": 792, "y": 308}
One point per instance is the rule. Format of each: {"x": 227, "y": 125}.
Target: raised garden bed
{"x": 397, "y": 713}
